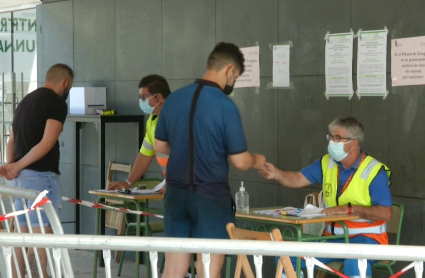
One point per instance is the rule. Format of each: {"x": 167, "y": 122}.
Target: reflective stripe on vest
{"x": 147, "y": 145}
{"x": 162, "y": 161}
{"x": 356, "y": 231}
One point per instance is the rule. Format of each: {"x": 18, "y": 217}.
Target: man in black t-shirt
{"x": 32, "y": 152}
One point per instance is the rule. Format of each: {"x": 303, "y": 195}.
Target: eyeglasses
{"x": 336, "y": 138}
{"x": 143, "y": 97}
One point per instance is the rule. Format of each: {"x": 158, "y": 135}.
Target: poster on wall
{"x": 251, "y": 75}
{"x": 281, "y": 60}
{"x": 372, "y": 63}
{"x": 339, "y": 64}
{"x": 408, "y": 61}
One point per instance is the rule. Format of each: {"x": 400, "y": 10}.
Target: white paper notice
{"x": 339, "y": 64}
{"x": 408, "y": 61}
{"x": 372, "y": 63}
{"x": 251, "y": 75}
{"x": 281, "y": 66}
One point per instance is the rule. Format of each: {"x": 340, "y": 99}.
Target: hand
{"x": 162, "y": 190}
{"x": 10, "y": 171}
{"x": 117, "y": 185}
{"x": 336, "y": 210}
{"x": 260, "y": 160}
{"x": 268, "y": 171}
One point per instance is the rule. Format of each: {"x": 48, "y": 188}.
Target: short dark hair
{"x": 226, "y": 53}
{"x": 58, "y": 72}
{"x": 156, "y": 84}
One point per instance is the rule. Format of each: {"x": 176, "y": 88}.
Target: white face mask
{"x": 336, "y": 150}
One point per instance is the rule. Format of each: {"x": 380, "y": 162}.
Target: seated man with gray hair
{"x": 353, "y": 182}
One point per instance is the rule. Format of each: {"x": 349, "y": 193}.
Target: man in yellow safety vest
{"x": 352, "y": 181}
{"x": 153, "y": 90}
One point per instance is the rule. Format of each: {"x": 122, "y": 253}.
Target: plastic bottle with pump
{"x": 242, "y": 200}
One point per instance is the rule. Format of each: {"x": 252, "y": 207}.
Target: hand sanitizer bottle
{"x": 242, "y": 200}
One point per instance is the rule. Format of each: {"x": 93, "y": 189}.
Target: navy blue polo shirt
{"x": 199, "y": 151}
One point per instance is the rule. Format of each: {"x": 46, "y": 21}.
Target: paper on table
{"x": 149, "y": 191}
{"x": 310, "y": 211}
{"x": 277, "y": 211}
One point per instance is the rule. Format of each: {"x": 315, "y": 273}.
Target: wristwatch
{"x": 350, "y": 208}
{"x": 127, "y": 182}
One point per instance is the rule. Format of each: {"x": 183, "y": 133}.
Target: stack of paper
{"x": 149, "y": 191}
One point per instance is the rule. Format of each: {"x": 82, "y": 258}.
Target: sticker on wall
{"x": 339, "y": 65}
{"x": 372, "y": 63}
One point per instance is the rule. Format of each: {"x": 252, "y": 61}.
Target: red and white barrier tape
{"x": 404, "y": 270}
{"x": 322, "y": 265}
{"x": 102, "y": 206}
{"x": 39, "y": 201}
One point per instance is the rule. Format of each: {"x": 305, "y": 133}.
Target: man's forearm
{"x": 35, "y": 154}
{"x": 291, "y": 179}
{"x": 10, "y": 151}
{"x": 141, "y": 164}
{"x": 375, "y": 213}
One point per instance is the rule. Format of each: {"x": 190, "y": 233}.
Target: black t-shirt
{"x": 29, "y": 123}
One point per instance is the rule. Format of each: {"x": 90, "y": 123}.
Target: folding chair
{"x": 242, "y": 263}
{"x": 114, "y": 219}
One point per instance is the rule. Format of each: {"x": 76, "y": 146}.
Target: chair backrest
{"x": 242, "y": 263}
{"x": 117, "y": 167}
{"x": 394, "y": 225}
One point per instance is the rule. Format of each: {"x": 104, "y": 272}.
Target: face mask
{"x": 228, "y": 89}
{"x": 336, "y": 150}
{"x": 65, "y": 95}
{"x": 146, "y": 108}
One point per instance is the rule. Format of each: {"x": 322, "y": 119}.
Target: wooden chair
{"x": 242, "y": 263}
{"x": 393, "y": 227}
{"x": 114, "y": 219}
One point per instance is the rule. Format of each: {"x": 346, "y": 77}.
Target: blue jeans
{"x": 40, "y": 181}
{"x": 351, "y": 268}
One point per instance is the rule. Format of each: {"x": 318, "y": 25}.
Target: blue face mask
{"x": 336, "y": 150}
{"x": 144, "y": 105}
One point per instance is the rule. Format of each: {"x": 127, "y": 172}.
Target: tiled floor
{"x": 82, "y": 264}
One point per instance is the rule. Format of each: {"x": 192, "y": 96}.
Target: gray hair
{"x": 353, "y": 127}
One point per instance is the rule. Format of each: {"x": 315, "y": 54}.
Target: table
{"x": 296, "y": 222}
{"x": 136, "y": 200}
{"x": 101, "y": 121}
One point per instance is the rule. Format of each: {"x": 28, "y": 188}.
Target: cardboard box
{"x": 85, "y": 100}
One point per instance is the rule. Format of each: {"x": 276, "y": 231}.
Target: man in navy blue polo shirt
{"x": 200, "y": 128}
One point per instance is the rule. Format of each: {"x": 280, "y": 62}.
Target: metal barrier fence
{"x": 153, "y": 245}
{"x": 62, "y": 262}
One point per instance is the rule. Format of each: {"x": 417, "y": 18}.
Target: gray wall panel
{"x": 305, "y": 23}
{"x": 56, "y": 36}
{"x": 392, "y": 14}
{"x": 137, "y": 38}
{"x": 393, "y": 134}
{"x": 67, "y": 181}
{"x": 188, "y": 36}
{"x": 259, "y": 113}
{"x": 89, "y": 181}
{"x": 67, "y": 143}
{"x": 127, "y": 97}
{"x": 257, "y": 24}
{"x": 304, "y": 114}
{"x": 94, "y": 37}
